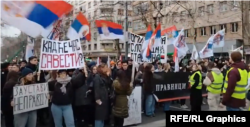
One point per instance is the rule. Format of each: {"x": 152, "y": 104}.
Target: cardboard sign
{"x": 61, "y": 55}
{"x": 135, "y": 42}
{"x": 30, "y": 97}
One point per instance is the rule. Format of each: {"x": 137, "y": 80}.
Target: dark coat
{"x": 81, "y": 96}
{"x": 101, "y": 92}
{"x": 120, "y": 108}
{"x": 195, "y": 94}
{"x": 138, "y": 78}
{"x": 233, "y": 77}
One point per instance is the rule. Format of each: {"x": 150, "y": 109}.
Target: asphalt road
{"x": 158, "y": 120}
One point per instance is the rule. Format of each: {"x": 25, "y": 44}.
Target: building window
{"x": 95, "y": 36}
{"x": 212, "y": 30}
{"x": 89, "y": 47}
{"x": 210, "y": 9}
{"x": 186, "y": 33}
{"x": 183, "y": 13}
{"x": 120, "y": 12}
{"x": 84, "y": 47}
{"x": 95, "y": 46}
{"x": 175, "y": 14}
{"x": 130, "y": 13}
{"x": 89, "y": 16}
{"x": 234, "y": 27}
{"x": 95, "y": 12}
{"x": 129, "y": 24}
{"x": 234, "y": 4}
{"x": 223, "y": 6}
{"x": 203, "y": 31}
{"x": 120, "y": 22}
{"x": 95, "y": 3}
{"x": 89, "y": 4}
{"x": 80, "y": 8}
{"x": 201, "y": 11}
{"x": 223, "y": 26}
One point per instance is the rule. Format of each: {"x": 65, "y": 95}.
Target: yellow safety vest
{"x": 216, "y": 85}
{"x": 240, "y": 88}
{"x": 192, "y": 81}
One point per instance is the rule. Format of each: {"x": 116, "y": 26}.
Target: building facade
{"x": 106, "y": 10}
{"x": 200, "y": 20}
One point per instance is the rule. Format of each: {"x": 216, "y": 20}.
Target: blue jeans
{"x": 233, "y": 109}
{"x": 26, "y": 119}
{"x": 150, "y": 105}
{"x": 99, "y": 123}
{"x": 167, "y": 106}
{"x": 65, "y": 111}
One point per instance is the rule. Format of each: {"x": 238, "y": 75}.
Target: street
{"x": 159, "y": 119}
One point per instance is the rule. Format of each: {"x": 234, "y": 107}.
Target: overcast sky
{"x": 10, "y": 31}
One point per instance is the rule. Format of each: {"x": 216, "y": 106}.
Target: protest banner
{"x": 134, "y": 104}
{"x": 172, "y": 86}
{"x": 61, "y": 55}
{"x": 160, "y": 52}
{"x": 135, "y": 42}
{"x": 30, "y": 97}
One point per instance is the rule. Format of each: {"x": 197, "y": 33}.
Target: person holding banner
{"x": 26, "y": 119}
{"x": 195, "y": 81}
{"x": 62, "y": 95}
{"x": 148, "y": 90}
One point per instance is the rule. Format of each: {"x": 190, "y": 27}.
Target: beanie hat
{"x": 26, "y": 71}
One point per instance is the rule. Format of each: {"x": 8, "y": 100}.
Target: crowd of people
{"x": 99, "y": 98}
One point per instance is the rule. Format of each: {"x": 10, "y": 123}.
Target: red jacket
{"x": 233, "y": 77}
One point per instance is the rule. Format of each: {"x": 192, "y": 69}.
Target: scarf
{"x": 64, "y": 82}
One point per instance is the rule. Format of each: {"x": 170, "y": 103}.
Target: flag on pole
{"x": 176, "y": 60}
{"x": 207, "y": 50}
{"x": 181, "y": 45}
{"x": 195, "y": 54}
{"x": 219, "y": 39}
{"x": 29, "y": 48}
{"x": 33, "y": 17}
{"x": 171, "y": 33}
{"x": 80, "y": 28}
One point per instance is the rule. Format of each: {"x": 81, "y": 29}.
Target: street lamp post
{"x": 126, "y": 20}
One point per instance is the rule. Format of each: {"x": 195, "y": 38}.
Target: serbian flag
{"x": 146, "y": 54}
{"x": 154, "y": 41}
{"x": 109, "y": 30}
{"x": 33, "y": 17}
{"x": 80, "y": 28}
{"x": 171, "y": 33}
{"x": 176, "y": 60}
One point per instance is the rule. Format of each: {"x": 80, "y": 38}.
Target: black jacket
{"x": 59, "y": 98}
{"x": 195, "y": 94}
{"x": 101, "y": 92}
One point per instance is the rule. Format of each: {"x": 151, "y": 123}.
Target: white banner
{"x": 135, "y": 50}
{"x": 61, "y": 54}
{"x": 30, "y": 97}
{"x": 135, "y": 42}
{"x": 134, "y": 104}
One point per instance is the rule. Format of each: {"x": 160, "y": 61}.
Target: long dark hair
{"x": 123, "y": 81}
{"x": 147, "y": 75}
{"x": 11, "y": 80}
{"x": 141, "y": 68}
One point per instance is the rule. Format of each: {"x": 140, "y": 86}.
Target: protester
{"x": 83, "y": 100}
{"x": 7, "y": 109}
{"x": 234, "y": 92}
{"x": 130, "y": 63}
{"x": 148, "y": 89}
{"x": 26, "y": 119}
{"x": 138, "y": 81}
{"x": 195, "y": 81}
{"x": 159, "y": 67}
{"x": 214, "y": 82}
{"x": 126, "y": 70}
{"x": 22, "y": 64}
{"x": 120, "y": 106}
{"x": 101, "y": 95}
{"x": 15, "y": 68}
{"x": 183, "y": 101}
{"x": 167, "y": 69}
{"x": 62, "y": 96}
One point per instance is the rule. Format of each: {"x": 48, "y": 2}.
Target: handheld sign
{"x": 135, "y": 42}
{"x": 30, "y": 97}
{"x": 61, "y": 55}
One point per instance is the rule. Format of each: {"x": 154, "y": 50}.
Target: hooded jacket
{"x": 209, "y": 78}
{"x": 233, "y": 77}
